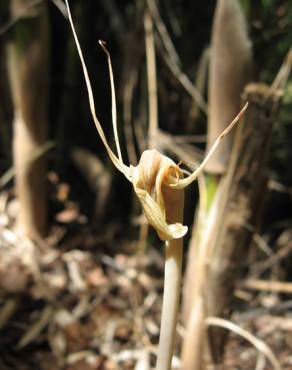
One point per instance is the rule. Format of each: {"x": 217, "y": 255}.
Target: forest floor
{"x": 73, "y": 302}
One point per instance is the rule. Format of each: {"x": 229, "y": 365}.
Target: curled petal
{"x": 156, "y": 218}
{"x": 162, "y": 204}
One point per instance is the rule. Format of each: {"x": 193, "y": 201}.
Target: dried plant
{"x": 159, "y": 185}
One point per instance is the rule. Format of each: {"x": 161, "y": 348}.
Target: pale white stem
{"x": 171, "y": 295}
{"x": 188, "y": 180}
{"x": 151, "y": 79}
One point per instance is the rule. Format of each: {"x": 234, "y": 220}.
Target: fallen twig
{"x": 272, "y": 286}
{"x": 260, "y": 345}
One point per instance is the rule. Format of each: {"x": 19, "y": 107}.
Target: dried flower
{"x": 159, "y": 185}
{"x": 157, "y": 180}
{"x": 152, "y": 180}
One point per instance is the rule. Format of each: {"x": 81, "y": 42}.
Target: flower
{"x": 157, "y": 181}
{"x": 152, "y": 180}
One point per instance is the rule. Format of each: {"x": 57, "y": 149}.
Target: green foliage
{"x": 211, "y": 187}
{"x": 266, "y": 3}
{"x": 23, "y": 31}
{"x": 281, "y": 153}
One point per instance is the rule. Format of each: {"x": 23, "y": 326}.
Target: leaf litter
{"x": 79, "y": 302}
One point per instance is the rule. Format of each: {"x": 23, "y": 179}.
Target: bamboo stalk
{"x": 28, "y": 70}
{"x": 221, "y": 249}
{"x": 6, "y": 112}
{"x": 229, "y": 71}
{"x": 192, "y": 350}
{"x": 244, "y": 188}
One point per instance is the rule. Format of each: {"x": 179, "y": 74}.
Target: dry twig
{"x": 260, "y": 345}
{"x": 172, "y": 59}
{"x": 265, "y": 285}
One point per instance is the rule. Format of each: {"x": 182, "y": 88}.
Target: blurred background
{"x": 81, "y": 275}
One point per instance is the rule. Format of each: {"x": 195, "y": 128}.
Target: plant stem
{"x": 151, "y": 79}
{"x": 171, "y": 295}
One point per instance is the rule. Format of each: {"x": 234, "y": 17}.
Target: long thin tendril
{"x": 119, "y": 164}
